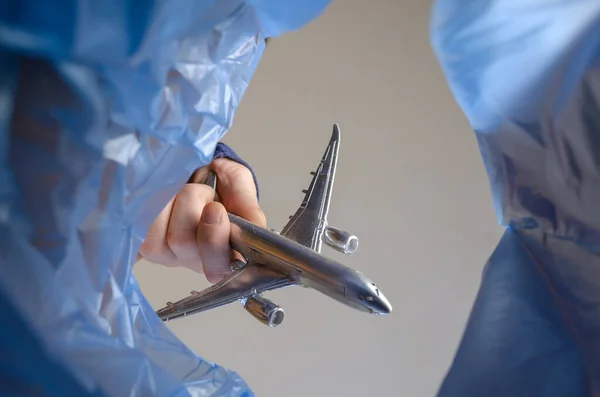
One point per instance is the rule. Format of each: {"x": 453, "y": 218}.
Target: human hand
{"x": 193, "y": 230}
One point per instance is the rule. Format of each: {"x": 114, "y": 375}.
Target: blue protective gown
{"x": 526, "y": 74}
{"x": 106, "y": 109}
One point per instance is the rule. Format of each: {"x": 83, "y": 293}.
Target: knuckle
{"x": 155, "y": 251}
{"x": 193, "y": 191}
{"x": 231, "y": 171}
{"x": 181, "y": 243}
{"x": 242, "y": 174}
{"x": 212, "y": 237}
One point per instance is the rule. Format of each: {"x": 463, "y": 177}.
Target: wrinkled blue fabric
{"x": 106, "y": 108}
{"x": 527, "y": 76}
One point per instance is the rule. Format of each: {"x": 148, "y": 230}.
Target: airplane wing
{"x": 244, "y": 283}
{"x": 307, "y": 225}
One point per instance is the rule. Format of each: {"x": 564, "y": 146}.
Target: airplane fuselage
{"x": 307, "y": 267}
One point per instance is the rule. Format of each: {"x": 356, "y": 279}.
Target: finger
{"x": 199, "y": 176}
{"x": 213, "y": 242}
{"x": 237, "y": 190}
{"x": 155, "y": 247}
{"x": 183, "y": 225}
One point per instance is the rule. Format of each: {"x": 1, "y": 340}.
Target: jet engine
{"x": 264, "y": 310}
{"x": 340, "y": 240}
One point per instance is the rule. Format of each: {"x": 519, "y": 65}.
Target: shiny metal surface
{"x": 291, "y": 258}
{"x": 340, "y": 240}
{"x": 307, "y": 225}
{"x": 264, "y": 310}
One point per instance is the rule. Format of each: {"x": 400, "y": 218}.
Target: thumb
{"x": 213, "y": 242}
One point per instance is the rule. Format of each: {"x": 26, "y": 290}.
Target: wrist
{"x": 224, "y": 151}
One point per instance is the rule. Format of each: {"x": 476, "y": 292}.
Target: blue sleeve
{"x": 106, "y": 109}
{"x": 526, "y": 75}
{"x": 27, "y": 368}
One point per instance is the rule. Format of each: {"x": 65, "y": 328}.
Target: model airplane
{"x": 290, "y": 258}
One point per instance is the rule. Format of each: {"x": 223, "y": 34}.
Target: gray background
{"x": 410, "y": 184}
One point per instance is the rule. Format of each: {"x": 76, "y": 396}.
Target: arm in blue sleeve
{"x": 526, "y": 74}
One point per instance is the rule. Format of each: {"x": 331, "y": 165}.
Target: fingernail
{"x": 211, "y": 214}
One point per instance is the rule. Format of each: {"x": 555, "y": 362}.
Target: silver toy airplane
{"x": 291, "y": 258}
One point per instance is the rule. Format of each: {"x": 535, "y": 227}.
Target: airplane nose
{"x": 383, "y": 305}
{"x": 386, "y": 306}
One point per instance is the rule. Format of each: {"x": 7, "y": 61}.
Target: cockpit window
{"x": 376, "y": 289}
